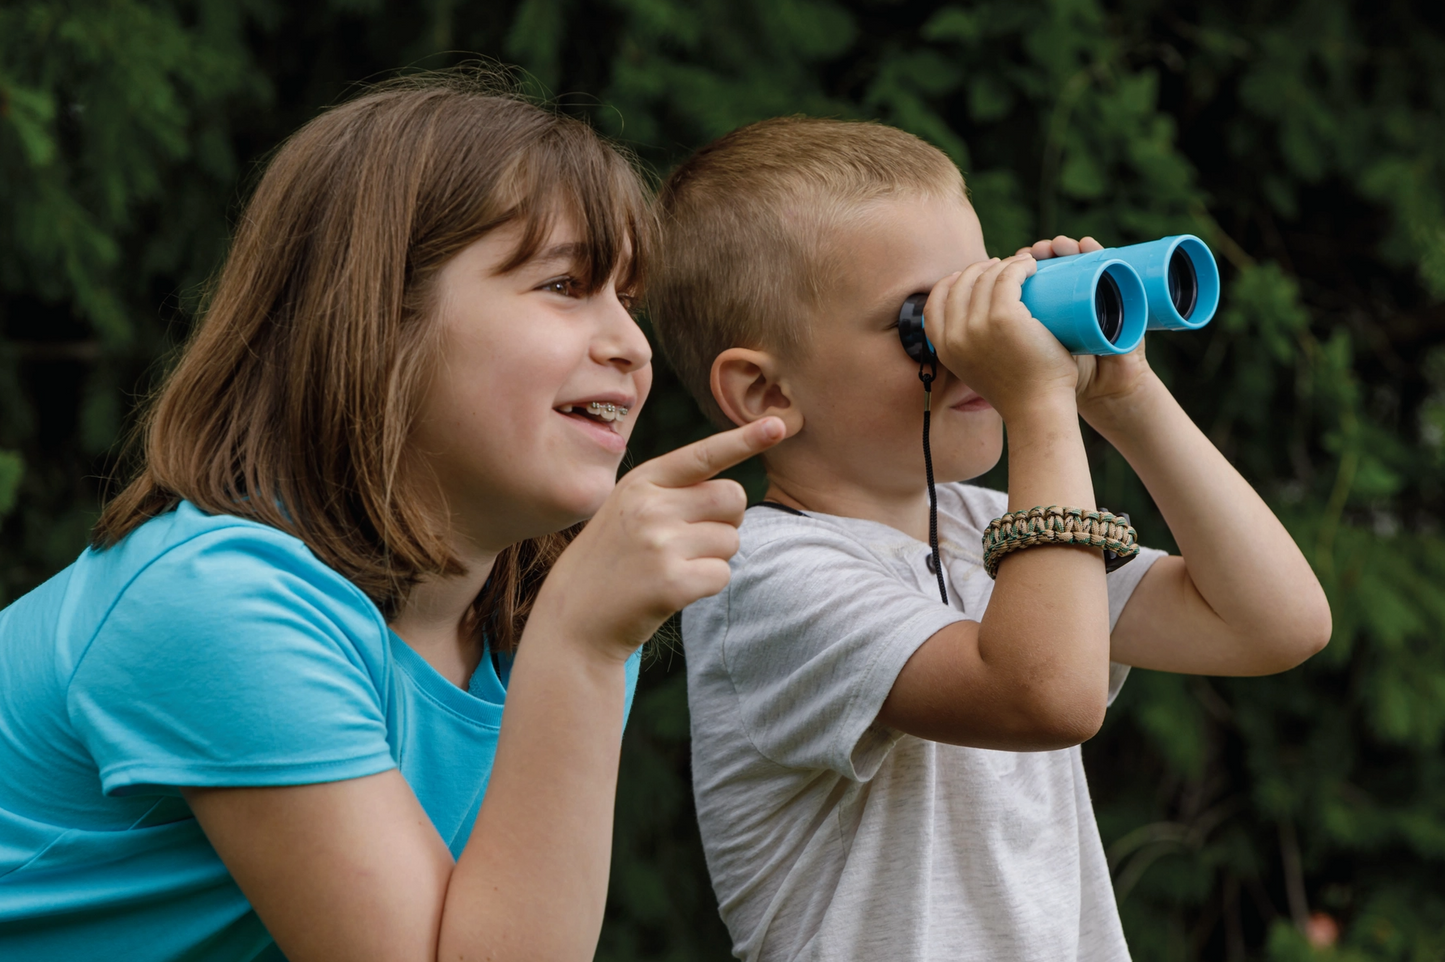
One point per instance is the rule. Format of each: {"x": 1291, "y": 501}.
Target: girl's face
{"x": 504, "y": 424}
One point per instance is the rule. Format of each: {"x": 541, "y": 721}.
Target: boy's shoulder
{"x": 971, "y": 506}
{"x": 963, "y": 510}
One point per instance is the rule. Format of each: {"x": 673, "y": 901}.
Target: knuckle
{"x": 736, "y": 498}
{"x": 675, "y": 588}
{"x": 701, "y": 457}
{"x": 726, "y": 496}
{"x": 713, "y": 577}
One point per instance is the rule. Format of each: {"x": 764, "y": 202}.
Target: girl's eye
{"x": 566, "y": 286}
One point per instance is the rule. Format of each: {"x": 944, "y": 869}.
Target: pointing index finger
{"x": 702, "y": 459}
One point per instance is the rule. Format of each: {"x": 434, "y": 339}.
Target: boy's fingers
{"x": 1065, "y": 246}
{"x": 1008, "y": 284}
{"x": 702, "y": 459}
{"x": 982, "y": 302}
{"x": 939, "y": 293}
{"x": 937, "y": 297}
{"x": 960, "y": 292}
{"x": 1088, "y": 245}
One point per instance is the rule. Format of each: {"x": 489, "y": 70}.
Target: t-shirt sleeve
{"x": 235, "y": 658}
{"x": 1121, "y": 583}
{"x": 979, "y": 506}
{"x": 817, "y": 631}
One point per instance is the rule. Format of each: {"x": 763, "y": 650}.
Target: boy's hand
{"x": 1101, "y": 379}
{"x": 1061, "y": 246}
{"x": 991, "y": 342}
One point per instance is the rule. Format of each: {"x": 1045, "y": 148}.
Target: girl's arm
{"x": 354, "y": 869}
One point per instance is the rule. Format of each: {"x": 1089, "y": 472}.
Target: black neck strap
{"x": 927, "y": 372}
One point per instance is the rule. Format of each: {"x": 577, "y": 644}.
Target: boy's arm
{"x": 1033, "y": 675}
{"x": 1242, "y": 600}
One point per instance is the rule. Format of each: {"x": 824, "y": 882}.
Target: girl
{"x": 267, "y": 703}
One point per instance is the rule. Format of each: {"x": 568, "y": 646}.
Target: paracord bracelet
{"x": 1056, "y": 525}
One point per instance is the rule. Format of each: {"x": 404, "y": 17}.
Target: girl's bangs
{"x": 566, "y": 176}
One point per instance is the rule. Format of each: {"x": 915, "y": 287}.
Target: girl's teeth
{"x": 606, "y": 412}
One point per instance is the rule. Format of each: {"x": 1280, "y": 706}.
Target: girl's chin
{"x": 581, "y": 503}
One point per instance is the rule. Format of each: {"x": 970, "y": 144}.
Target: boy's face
{"x": 859, "y": 393}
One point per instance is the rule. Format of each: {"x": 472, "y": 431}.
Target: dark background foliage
{"x": 1255, "y": 818}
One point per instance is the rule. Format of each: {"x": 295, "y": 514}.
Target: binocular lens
{"x": 1183, "y": 283}
{"x": 1109, "y": 308}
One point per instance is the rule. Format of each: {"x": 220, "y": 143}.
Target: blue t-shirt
{"x": 205, "y": 651}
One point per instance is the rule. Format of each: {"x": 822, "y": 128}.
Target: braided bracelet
{"x": 1056, "y": 525}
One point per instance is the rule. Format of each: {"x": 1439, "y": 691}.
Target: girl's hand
{"x": 1101, "y": 379}
{"x": 991, "y": 342}
{"x": 661, "y": 541}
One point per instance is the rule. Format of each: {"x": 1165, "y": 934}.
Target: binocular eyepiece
{"x": 1103, "y": 301}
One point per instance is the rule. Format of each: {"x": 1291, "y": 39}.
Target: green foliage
{"x": 12, "y": 469}
{"x": 1300, "y": 139}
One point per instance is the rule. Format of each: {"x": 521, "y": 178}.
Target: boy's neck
{"x": 905, "y": 511}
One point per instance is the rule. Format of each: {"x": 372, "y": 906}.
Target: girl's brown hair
{"x": 294, "y": 401}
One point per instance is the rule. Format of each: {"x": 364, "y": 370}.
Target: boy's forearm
{"x": 1047, "y": 463}
{"x": 1237, "y": 554}
{"x": 1048, "y": 619}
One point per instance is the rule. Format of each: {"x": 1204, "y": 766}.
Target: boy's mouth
{"x": 973, "y": 402}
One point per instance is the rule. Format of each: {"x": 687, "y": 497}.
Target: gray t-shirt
{"x": 831, "y": 837}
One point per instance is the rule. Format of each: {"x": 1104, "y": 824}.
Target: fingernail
{"x": 773, "y": 429}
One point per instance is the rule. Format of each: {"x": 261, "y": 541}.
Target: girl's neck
{"x": 433, "y": 619}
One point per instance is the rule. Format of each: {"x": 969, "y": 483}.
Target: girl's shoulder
{"x": 212, "y": 650}
{"x": 187, "y": 529}
{"x": 188, "y": 550}
{"x": 187, "y": 574}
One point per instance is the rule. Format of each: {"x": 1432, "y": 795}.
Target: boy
{"x": 880, "y": 775}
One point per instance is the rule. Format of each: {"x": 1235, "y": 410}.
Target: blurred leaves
{"x": 1301, "y": 140}
{"x": 12, "y": 469}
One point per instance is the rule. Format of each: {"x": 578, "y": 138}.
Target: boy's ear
{"x": 748, "y": 385}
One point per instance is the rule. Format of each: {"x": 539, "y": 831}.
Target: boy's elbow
{"x": 1314, "y": 633}
{"x": 1066, "y": 718}
{"x": 1289, "y": 644}
{"x": 1306, "y": 636}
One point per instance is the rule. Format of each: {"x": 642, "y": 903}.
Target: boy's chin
{"x": 966, "y": 470}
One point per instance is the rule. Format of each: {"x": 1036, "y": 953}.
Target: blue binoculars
{"x": 1103, "y": 301}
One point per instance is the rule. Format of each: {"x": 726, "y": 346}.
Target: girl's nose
{"x": 619, "y": 341}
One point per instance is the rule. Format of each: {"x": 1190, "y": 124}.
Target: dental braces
{"x": 607, "y": 412}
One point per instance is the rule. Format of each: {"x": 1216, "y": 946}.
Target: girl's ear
{"x": 748, "y": 385}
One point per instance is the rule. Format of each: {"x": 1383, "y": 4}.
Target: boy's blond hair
{"x": 747, "y": 228}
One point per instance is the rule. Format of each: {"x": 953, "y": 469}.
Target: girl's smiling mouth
{"x": 600, "y": 418}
